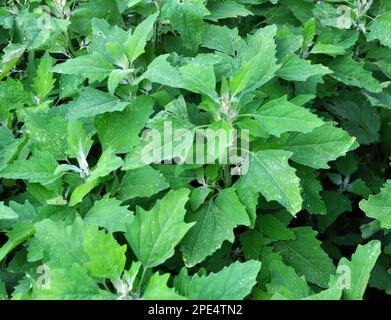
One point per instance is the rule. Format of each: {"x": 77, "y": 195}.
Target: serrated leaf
{"x": 92, "y": 67}
{"x": 379, "y": 206}
{"x": 279, "y": 116}
{"x": 316, "y": 149}
{"x": 214, "y": 223}
{"x": 93, "y": 102}
{"x": 162, "y": 229}
{"x": 44, "y": 81}
{"x": 142, "y": 182}
{"x": 12, "y": 54}
{"x": 306, "y": 256}
{"x": 270, "y": 174}
{"x": 352, "y": 73}
{"x": 111, "y": 263}
{"x": 200, "y": 78}
{"x": 161, "y": 71}
{"x": 311, "y": 187}
{"x": 12, "y": 94}
{"x": 274, "y": 229}
{"x": 335, "y": 42}
{"x": 261, "y": 67}
{"x": 108, "y": 213}
{"x": 72, "y": 283}
{"x": 135, "y": 45}
{"x": 295, "y": 69}
{"x": 39, "y": 168}
{"x": 157, "y": 289}
{"x": 232, "y": 283}
{"x": 120, "y": 130}
{"x": 19, "y": 234}
{"x": 380, "y": 29}
{"x": 359, "y": 269}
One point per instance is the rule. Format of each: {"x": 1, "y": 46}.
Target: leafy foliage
{"x": 303, "y": 209}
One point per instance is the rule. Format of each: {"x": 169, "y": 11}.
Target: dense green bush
{"x": 302, "y": 212}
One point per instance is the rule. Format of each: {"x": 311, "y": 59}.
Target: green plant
{"x": 302, "y": 210}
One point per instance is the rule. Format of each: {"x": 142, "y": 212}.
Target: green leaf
{"x": 259, "y": 68}
{"x": 226, "y": 9}
{"x": 107, "y": 163}
{"x": 10, "y": 147}
{"x": 274, "y": 229}
{"x": 286, "y": 282}
{"x": 214, "y": 223}
{"x": 72, "y": 283}
{"x": 61, "y": 244}
{"x": 44, "y": 81}
{"x": 335, "y": 42}
{"x": 46, "y": 131}
{"x": 16, "y": 236}
{"x": 12, "y": 94}
{"x": 39, "y": 168}
{"x": 339, "y": 17}
{"x": 358, "y": 269}
{"x": 352, "y": 73}
{"x": 295, "y": 69}
{"x": 3, "y": 292}
{"x": 93, "y": 102}
{"x": 6, "y": 213}
{"x": 222, "y": 39}
{"x": 12, "y": 55}
{"x": 198, "y": 197}
{"x": 142, "y": 182}
{"x": 311, "y": 187}
{"x": 161, "y": 71}
{"x": 252, "y": 242}
{"x": 187, "y": 18}
{"x": 135, "y": 45}
{"x": 234, "y": 282}
{"x": 306, "y": 256}
{"x": 108, "y": 213}
{"x": 270, "y": 174}
{"x": 25, "y": 214}
{"x": 92, "y": 67}
{"x": 40, "y": 30}
{"x": 108, "y": 41}
{"x": 154, "y": 234}
{"x": 332, "y": 293}
{"x": 358, "y": 118}
{"x": 200, "y": 78}
{"x": 249, "y": 198}
{"x": 336, "y": 204}
{"x": 316, "y": 149}
{"x": 82, "y": 190}
{"x": 379, "y": 206}
{"x": 106, "y": 258}
{"x": 157, "y": 289}
{"x": 79, "y": 143}
{"x": 379, "y": 29}
{"x": 279, "y": 116}
{"x": 115, "y": 77}
{"x": 120, "y": 130}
